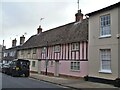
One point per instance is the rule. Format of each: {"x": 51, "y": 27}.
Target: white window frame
{"x": 43, "y": 50}
{"x": 75, "y": 65}
{"x": 5, "y": 54}
{"x": 75, "y": 46}
{"x": 105, "y": 56}
{"x": 105, "y": 26}
{"x": 57, "y": 48}
{"x": 33, "y": 63}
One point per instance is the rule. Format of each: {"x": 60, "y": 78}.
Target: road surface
{"x": 23, "y": 82}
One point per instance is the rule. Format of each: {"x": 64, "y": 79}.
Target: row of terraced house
{"x": 88, "y": 47}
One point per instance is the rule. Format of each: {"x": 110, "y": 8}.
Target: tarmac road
{"x": 23, "y": 82}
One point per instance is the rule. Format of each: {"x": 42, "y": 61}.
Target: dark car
{"x": 19, "y": 67}
{"x": 5, "y": 68}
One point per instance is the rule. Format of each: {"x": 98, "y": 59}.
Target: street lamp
{"x": 46, "y": 58}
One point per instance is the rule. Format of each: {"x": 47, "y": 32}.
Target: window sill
{"x": 105, "y": 36}
{"x": 56, "y": 51}
{"x": 105, "y": 71}
{"x": 74, "y": 50}
{"x": 75, "y": 70}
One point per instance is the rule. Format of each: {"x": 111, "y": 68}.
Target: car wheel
{"x": 13, "y": 74}
{"x": 26, "y": 74}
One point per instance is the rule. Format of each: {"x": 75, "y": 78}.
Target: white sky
{"x": 18, "y": 17}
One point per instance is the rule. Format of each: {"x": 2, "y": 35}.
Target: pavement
{"x": 70, "y": 82}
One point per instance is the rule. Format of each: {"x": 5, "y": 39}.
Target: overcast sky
{"x": 23, "y": 16}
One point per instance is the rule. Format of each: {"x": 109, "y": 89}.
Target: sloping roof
{"x": 104, "y": 9}
{"x": 72, "y": 32}
{"x": 13, "y": 48}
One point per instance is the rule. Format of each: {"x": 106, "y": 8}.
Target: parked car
{"x": 1, "y": 64}
{"x": 5, "y": 68}
{"x": 19, "y": 67}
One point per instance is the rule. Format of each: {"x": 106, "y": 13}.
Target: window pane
{"x": 75, "y": 46}
{"x": 57, "y": 48}
{"x": 106, "y": 59}
{"x": 105, "y": 25}
{"x": 75, "y": 65}
{"x": 106, "y": 65}
{"x": 33, "y": 63}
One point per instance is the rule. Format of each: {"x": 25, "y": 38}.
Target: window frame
{"x": 33, "y": 63}
{"x": 29, "y": 51}
{"x": 57, "y": 48}
{"x": 43, "y": 50}
{"x": 105, "y": 22}
{"x": 75, "y": 46}
{"x": 106, "y": 55}
{"x": 34, "y": 50}
{"x": 22, "y": 52}
{"x": 75, "y": 65}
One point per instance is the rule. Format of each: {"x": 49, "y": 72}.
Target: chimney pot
{"x": 79, "y": 16}
{"x": 39, "y": 30}
{"x": 22, "y": 39}
{"x": 14, "y": 42}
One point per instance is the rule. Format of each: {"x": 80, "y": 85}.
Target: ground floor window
{"x": 75, "y": 65}
{"x": 33, "y": 63}
{"x": 105, "y": 59}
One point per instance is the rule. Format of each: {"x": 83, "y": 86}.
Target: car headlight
{"x": 17, "y": 68}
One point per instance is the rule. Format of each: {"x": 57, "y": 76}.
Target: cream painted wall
{"x": 35, "y": 69}
{"x": 31, "y": 57}
{"x": 96, "y": 43}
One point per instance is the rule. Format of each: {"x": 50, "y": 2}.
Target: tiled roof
{"x": 13, "y": 48}
{"x": 72, "y": 32}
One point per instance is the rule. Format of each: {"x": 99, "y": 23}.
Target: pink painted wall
{"x": 51, "y": 68}
{"x": 64, "y": 68}
{"x": 65, "y": 55}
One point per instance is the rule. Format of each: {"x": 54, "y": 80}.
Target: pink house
{"x": 61, "y": 51}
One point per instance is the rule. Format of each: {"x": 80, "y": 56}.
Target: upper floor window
{"x": 105, "y": 25}
{"x": 22, "y": 52}
{"x": 57, "y": 48}
{"x": 5, "y": 54}
{"x": 34, "y": 51}
{"x": 44, "y": 50}
{"x": 75, "y": 46}
{"x": 29, "y": 51}
{"x": 12, "y": 53}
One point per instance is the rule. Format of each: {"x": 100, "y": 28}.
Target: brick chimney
{"x": 79, "y": 16}
{"x": 14, "y": 42}
{"x": 22, "y": 39}
{"x": 39, "y": 30}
